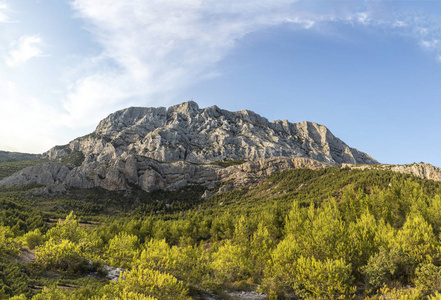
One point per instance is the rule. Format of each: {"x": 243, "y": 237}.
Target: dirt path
{"x": 26, "y": 255}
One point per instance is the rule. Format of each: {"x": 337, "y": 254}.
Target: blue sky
{"x": 368, "y": 70}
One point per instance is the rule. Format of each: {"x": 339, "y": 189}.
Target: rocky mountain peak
{"x": 128, "y": 117}
{"x": 189, "y": 108}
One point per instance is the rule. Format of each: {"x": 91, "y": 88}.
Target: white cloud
{"x": 363, "y": 18}
{"x": 26, "y": 124}
{"x": 425, "y": 29}
{"x": 24, "y": 49}
{"x": 153, "y": 48}
{"x": 398, "y": 23}
{"x": 3, "y": 16}
{"x": 433, "y": 44}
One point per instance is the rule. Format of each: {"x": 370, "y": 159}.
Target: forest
{"x": 334, "y": 233}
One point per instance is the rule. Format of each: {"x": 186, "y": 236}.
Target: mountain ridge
{"x": 185, "y": 132}
{"x": 159, "y": 148}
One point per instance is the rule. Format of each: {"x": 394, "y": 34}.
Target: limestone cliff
{"x": 187, "y": 133}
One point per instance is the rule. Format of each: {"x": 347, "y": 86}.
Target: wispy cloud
{"x": 24, "y": 49}
{"x": 422, "y": 27}
{"x": 153, "y": 48}
{"x": 3, "y": 16}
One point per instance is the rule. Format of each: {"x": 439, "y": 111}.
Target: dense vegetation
{"x": 327, "y": 234}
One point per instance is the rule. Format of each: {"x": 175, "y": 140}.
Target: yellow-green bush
{"x": 68, "y": 229}
{"x": 428, "y": 278}
{"x": 229, "y": 263}
{"x": 152, "y": 283}
{"x": 324, "y": 279}
{"x": 417, "y": 239}
{"x": 61, "y": 255}
{"x": 7, "y": 244}
{"x": 33, "y": 238}
{"x": 122, "y": 249}
{"x": 387, "y": 266}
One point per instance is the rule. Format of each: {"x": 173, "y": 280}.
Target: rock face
{"x": 186, "y": 133}
{"x": 170, "y": 148}
{"x": 151, "y": 175}
{"x": 44, "y": 174}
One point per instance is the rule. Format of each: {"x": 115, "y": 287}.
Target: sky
{"x": 368, "y": 70}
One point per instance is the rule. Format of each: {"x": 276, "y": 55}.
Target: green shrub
{"x": 7, "y": 244}
{"x": 417, "y": 239}
{"x": 387, "y": 266}
{"x": 68, "y": 229}
{"x": 324, "y": 279}
{"x": 229, "y": 263}
{"x": 52, "y": 293}
{"x": 33, "y": 238}
{"x": 122, "y": 249}
{"x": 152, "y": 283}
{"x": 428, "y": 278}
{"x": 61, "y": 255}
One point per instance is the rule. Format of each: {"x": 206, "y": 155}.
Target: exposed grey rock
{"x": 154, "y": 175}
{"x": 186, "y": 132}
{"x": 44, "y": 174}
{"x": 302, "y": 186}
{"x": 248, "y": 295}
{"x": 225, "y": 188}
{"x": 51, "y": 189}
{"x": 207, "y": 195}
{"x": 113, "y": 273}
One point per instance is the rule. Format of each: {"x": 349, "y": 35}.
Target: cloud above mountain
{"x": 24, "y": 49}
{"x": 150, "y": 49}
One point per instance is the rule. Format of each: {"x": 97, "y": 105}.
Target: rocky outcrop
{"x": 152, "y": 175}
{"x": 421, "y": 170}
{"x": 159, "y": 148}
{"x": 44, "y": 174}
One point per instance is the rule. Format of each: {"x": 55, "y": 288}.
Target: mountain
{"x": 6, "y": 156}
{"x": 185, "y": 132}
{"x": 159, "y": 148}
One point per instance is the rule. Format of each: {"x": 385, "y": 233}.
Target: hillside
{"x": 190, "y": 244}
